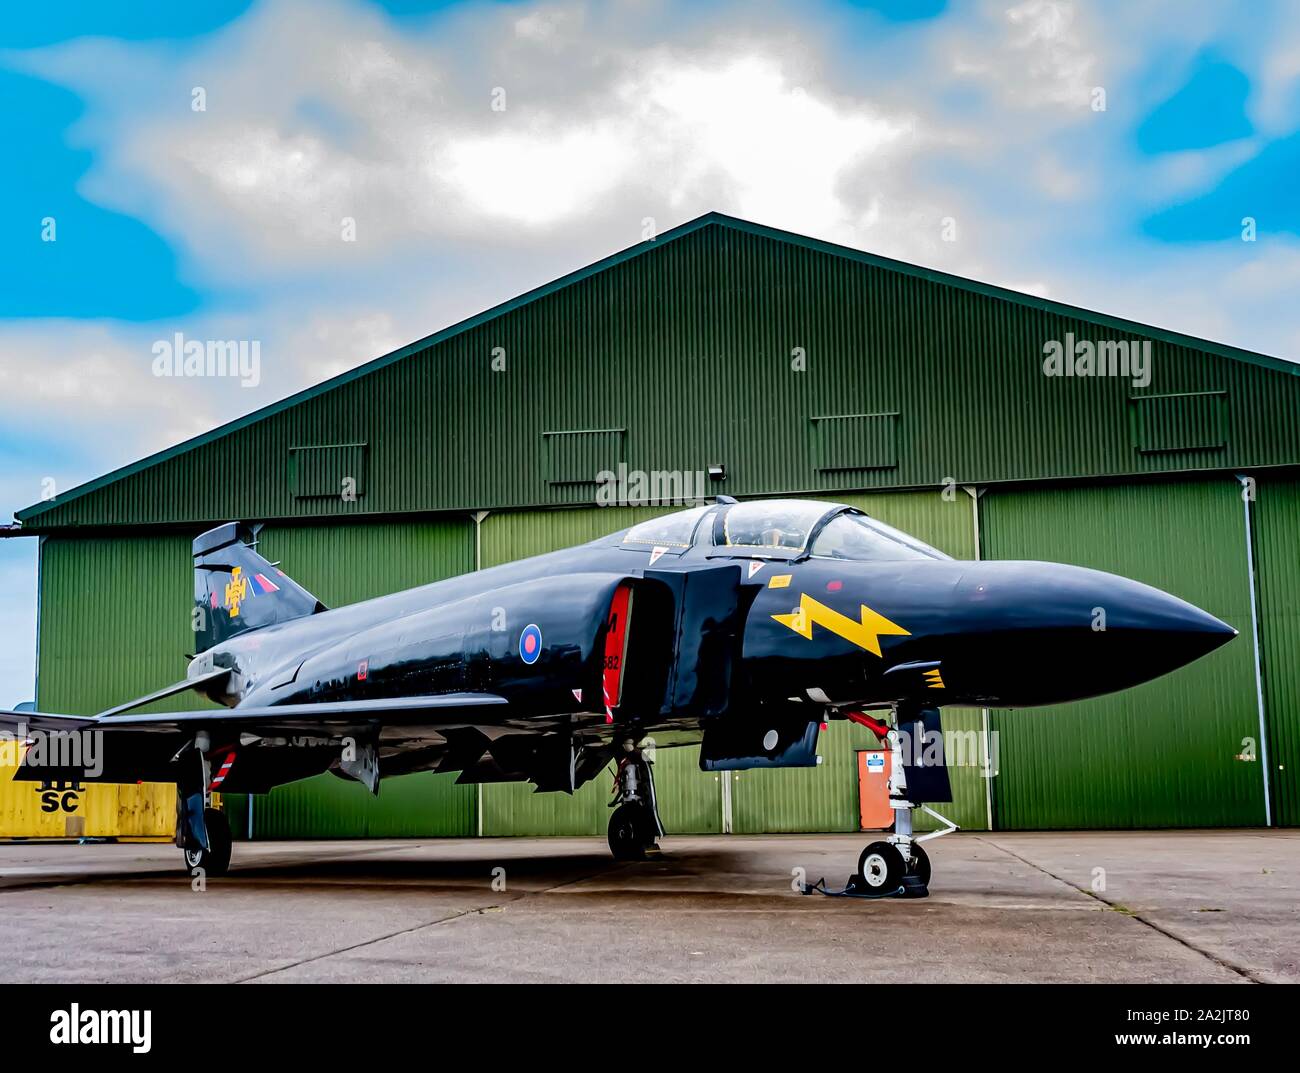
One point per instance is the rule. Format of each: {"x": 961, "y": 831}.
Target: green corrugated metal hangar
{"x": 802, "y": 368}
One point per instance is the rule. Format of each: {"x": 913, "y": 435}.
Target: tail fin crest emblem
{"x": 236, "y": 591}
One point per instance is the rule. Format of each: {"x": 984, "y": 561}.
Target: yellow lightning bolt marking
{"x": 865, "y": 633}
{"x": 236, "y": 591}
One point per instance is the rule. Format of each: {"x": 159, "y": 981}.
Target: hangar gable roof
{"x": 129, "y": 495}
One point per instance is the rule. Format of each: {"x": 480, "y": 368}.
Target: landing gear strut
{"x": 911, "y": 863}
{"x": 634, "y": 828}
{"x": 896, "y": 866}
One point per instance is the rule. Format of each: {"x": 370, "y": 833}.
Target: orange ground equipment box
{"x": 873, "y": 790}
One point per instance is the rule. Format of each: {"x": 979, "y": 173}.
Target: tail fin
{"x": 236, "y": 590}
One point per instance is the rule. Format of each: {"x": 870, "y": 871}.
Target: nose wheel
{"x": 895, "y": 866}
{"x": 881, "y": 868}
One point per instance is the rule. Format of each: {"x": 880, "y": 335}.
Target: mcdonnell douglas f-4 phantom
{"x": 742, "y": 627}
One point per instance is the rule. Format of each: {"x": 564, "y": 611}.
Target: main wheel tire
{"x": 920, "y": 865}
{"x": 881, "y": 867}
{"x": 631, "y": 832}
{"x": 215, "y": 860}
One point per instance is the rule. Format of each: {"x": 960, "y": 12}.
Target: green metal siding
{"x": 114, "y": 624}
{"x": 422, "y": 805}
{"x": 507, "y": 537}
{"x": 691, "y": 345}
{"x": 1276, "y": 516}
{"x": 690, "y": 802}
{"x": 341, "y": 564}
{"x": 114, "y": 621}
{"x": 1162, "y": 754}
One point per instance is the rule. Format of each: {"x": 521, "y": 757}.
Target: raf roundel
{"x": 530, "y": 643}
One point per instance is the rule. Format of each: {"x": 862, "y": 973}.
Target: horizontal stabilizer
{"x": 211, "y": 678}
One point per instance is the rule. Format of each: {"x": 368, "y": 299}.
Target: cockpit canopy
{"x": 772, "y": 523}
{"x": 782, "y": 528}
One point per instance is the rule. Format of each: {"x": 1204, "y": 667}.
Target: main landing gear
{"x": 214, "y": 860}
{"x": 634, "y": 828}
{"x": 202, "y": 832}
{"x": 896, "y": 866}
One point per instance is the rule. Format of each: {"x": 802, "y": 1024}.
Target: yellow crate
{"x": 81, "y": 810}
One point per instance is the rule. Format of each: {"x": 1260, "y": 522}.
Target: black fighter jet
{"x": 742, "y": 627}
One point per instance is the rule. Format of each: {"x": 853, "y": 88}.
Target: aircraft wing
{"x": 454, "y": 707}
{"x": 18, "y": 722}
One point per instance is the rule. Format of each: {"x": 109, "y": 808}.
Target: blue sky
{"x": 195, "y": 166}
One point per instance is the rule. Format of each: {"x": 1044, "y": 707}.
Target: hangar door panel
{"x": 1162, "y": 754}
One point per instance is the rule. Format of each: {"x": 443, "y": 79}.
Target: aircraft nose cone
{"x": 1065, "y": 632}
{"x": 1165, "y": 630}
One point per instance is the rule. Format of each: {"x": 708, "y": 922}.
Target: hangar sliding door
{"x": 1164, "y": 754}
{"x": 825, "y": 798}
{"x": 341, "y": 564}
{"x": 1277, "y": 569}
{"x": 689, "y": 799}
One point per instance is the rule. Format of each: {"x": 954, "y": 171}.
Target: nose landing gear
{"x": 634, "y": 828}
{"x": 897, "y": 866}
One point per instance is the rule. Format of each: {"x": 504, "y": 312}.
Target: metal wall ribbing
{"x": 1164, "y": 754}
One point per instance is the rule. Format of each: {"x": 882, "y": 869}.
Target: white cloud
{"x": 1035, "y": 54}
{"x": 324, "y": 110}
{"x": 320, "y": 112}
{"x": 538, "y": 177}
{"x": 1275, "y": 87}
